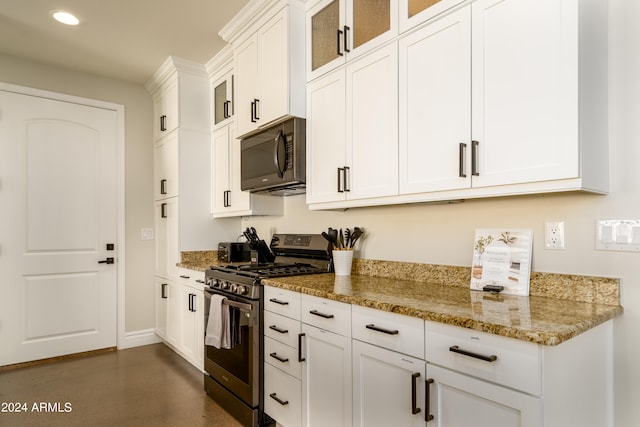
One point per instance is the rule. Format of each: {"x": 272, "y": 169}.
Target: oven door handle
{"x": 240, "y": 305}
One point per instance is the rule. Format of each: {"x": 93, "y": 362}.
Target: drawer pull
{"x": 274, "y": 300}
{"x": 277, "y": 399}
{"x": 379, "y": 329}
{"x": 414, "y": 407}
{"x": 278, "y": 358}
{"x": 280, "y": 331}
{"x": 427, "y": 416}
{"x": 323, "y": 315}
{"x": 456, "y": 349}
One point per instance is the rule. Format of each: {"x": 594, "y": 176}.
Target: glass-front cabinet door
{"x": 340, "y": 30}
{"x": 414, "y": 12}
{"x": 222, "y": 94}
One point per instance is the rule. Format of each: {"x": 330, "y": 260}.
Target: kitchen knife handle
{"x": 456, "y": 349}
{"x": 414, "y": 387}
{"x": 338, "y": 34}
{"x": 462, "y": 153}
{"x": 474, "y": 158}
{"x": 427, "y": 415}
{"x": 379, "y": 329}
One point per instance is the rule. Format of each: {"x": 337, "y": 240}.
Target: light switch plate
{"x": 146, "y": 234}
{"x": 618, "y": 235}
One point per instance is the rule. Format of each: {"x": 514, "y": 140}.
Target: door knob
{"x": 107, "y": 261}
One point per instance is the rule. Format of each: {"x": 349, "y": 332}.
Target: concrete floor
{"x": 143, "y": 386}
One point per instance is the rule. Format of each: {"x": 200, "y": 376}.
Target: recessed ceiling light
{"x": 65, "y": 17}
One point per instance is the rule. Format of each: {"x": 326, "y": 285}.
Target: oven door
{"x": 237, "y": 368}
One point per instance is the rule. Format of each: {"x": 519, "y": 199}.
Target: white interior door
{"x": 58, "y": 212}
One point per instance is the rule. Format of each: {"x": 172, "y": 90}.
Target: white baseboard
{"x": 139, "y": 338}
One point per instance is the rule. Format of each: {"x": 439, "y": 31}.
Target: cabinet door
{"x": 282, "y": 397}
{"x": 248, "y": 84}
{"x": 435, "y": 105}
{"x": 166, "y": 109}
{"x": 174, "y": 313}
{"x": 372, "y": 125}
{"x": 326, "y": 137}
{"x": 220, "y": 173}
{"x": 370, "y": 23}
{"x": 325, "y": 37}
{"x": 167, "y": 239}
{"x": 384, "y": 382}
{"x": 192, "y": 304}
{"x": 326, "y": 379}
{"x": 485, "y": 404}
{"x": 525, "y": 90}
{"x": 414, "y": 12}
{"x": 166, "y": 167}
{"x": 222, "y": 99}
{"x": 273, "y": 57}
{"x": 160, "y": 292}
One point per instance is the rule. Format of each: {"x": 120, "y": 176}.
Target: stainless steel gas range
{"x": 234, "y": 376}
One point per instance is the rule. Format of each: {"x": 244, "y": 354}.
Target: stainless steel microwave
{"x": 272, "y": 160}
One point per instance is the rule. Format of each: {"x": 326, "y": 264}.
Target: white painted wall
{"x": 443, "y": 234}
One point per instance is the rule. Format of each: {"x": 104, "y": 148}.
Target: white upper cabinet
{"x": 166, "y": 108}
{"x": 352, "y": 130}
{"x": 340, "y": 30}
{"x": 415, "y": 12}
{"x": 435, "y": 105}
{"x": 269, "y": 64}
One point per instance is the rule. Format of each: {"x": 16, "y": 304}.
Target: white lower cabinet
{"x": 389, "y": 387}
{"x": 180, "y": 314}
{"x": 326, "y": 369}
{"x": 282, "y": 398}
{"x": 485, "y": 404}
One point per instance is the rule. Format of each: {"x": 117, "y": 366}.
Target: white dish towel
{"x": 218, "y": 332}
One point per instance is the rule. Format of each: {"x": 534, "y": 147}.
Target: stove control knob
{"x": 225, "y": 285}
{"x": 242, "y": 290}
{"x": 233, "y": 288}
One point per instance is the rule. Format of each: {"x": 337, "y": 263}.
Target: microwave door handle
{"x": 281, "y": 141}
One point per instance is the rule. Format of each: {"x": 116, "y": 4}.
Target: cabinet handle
{"x": 199, "y": 281}
{"x": 163, "y": 291}
{"x": 278, "y": 358}
{"x": 163, "y": 123}
{"x": 225, "y": 109}
{"x": 346, "y": 39}
{"x": 427, "y": 416}
{"x": 456, "y": 349}
{"x": 278, "y": 330}
{"x": 340, "y": 190}
{"x": 300, "y": 358}
{"x": 474, "y": 158}
{"x": 182, "y": 276}
{"x": 384, "y": 331}
{"x": 414, "y": 387}
{"x": 462, "y": 153}
{"x": 253, "y": 111}
{"x": 225, "y": 198}
{"x": 339, "y": 33}
{"x": 323, "y": 315}
{"x": 163, "y": 210}
{"x": 190, "y": 303}
{"x": 345, "y": 172}
{"x": 163, "y": 186}
{"x": 282, "y": 402}
{"x": 279, "y": 302}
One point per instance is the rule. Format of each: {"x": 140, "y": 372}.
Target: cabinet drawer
{"x": 282, "y": 397}
{"x": 282, "y": 301}
{"x": 502, "y": 360}
{"x": 333, "y": 316}
{"x": 192, "y": 278}
{"x": 396, "y": 332}
{"x": 282, "y": 357}
{"x": 281, "y": 328}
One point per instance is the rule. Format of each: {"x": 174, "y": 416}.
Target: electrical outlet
{"x": 554, "y": 235}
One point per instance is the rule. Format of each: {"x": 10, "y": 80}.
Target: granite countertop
{"x": 558, "y": 308}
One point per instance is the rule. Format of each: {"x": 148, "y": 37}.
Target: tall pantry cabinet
{"x": 182, "y": 221}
